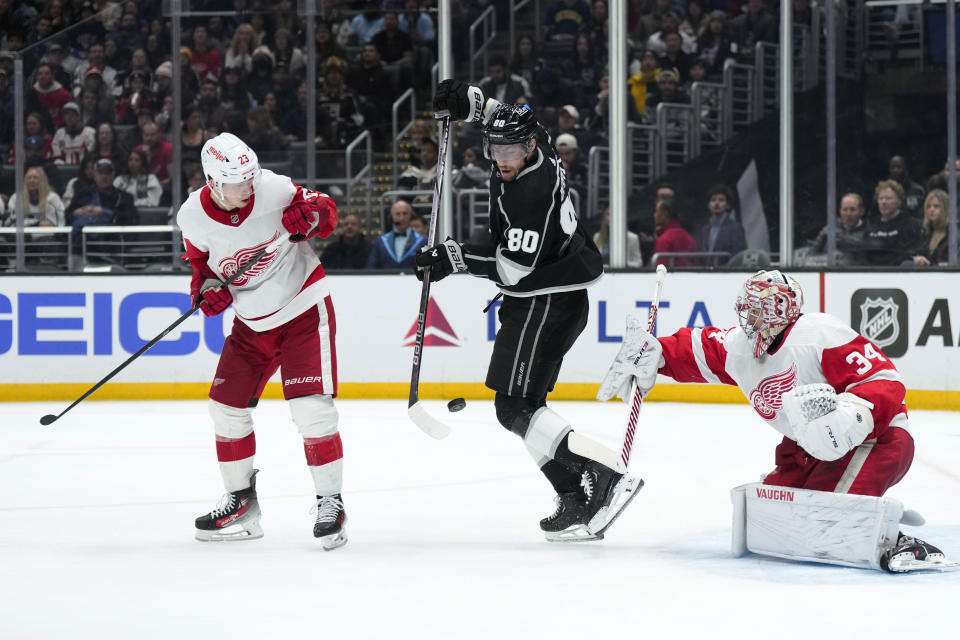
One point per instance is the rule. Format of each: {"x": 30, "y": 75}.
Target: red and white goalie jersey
{"x": 817, "y": 348}
{"x": 284, "y": 283}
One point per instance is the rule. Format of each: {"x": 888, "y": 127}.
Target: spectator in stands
{"x": 156, "y": 53}
{"x": 424, "y": 177}
{"x": 643, "y": 84}
{"x": 652, "y": 22}
{"x": 162, "y": 79}
{"x": 233, "y": 95}
{"x": 260, "y": 81}
{"x": 35, "y": 126}
{"x": 941, "y": 180}
{"x": 48, "y": 94}
{"x": 913, "y": 192}
{"x": 33, "y": 156}
{"x": 240, "y": 52}
{"x": 550, "y": 92}
{"x": 195, "y": 178}
{"x": 364, "y": 26}
{"x": 668, "y": 91}
{"x": 209, "y": 108}
{"x": 159, "y": 152}
{"x": 264, "y": 137}
{"x": 103, "y": 204}
{"x": 569, "y": 151}
{"x": 665, "y": 191}
{"x": 565, "y": 19}
{"x": 192, "y": 135}
{"x": 722, "y": 232}
{"x": 128, "y": 36}
{"x": 283, "y": 92}
{"x": 670, "y": 23}
{"x": 671, "y": 236}
{"x": 473, "y": 172}
{"x": 91, "y": 112}
{"x": 293, "y": 123}
{"x": 136, "y": 96}
{"x": 93, "y": 81}
{"x": 339, "y": 105}
{"x": 675, "y": 58}
{"x": 568, "y": 121}
{"x": 142, "y": 185}
{"x": 421, "y": 130}
{"x": 373, "y": 85}
{"x": 327, "y": 44}
{"x": 83, "y": 181}
{"x": 395, "y": 47}
{"x": 694, "y": 22}
{"x": 397, "y": 248}
{"x": 350, "y": 249}
{"x": 698, "y": 73}
{"x": 418, "y": 224}
{"x": 598, "y": 116}
{"x": 503, "y": 85}
{"x": 96, "y": 58}
{"x": 419, "y": 27}
{"x": 286, "y": 52}
{"x": 896, "y": 236}
{"x": 525, "y": 62}
{"x": 582, "y": 71}
{"x": 204, "y": 60}
{"x": 756, "y": 24}
{"x": 339, "y": 22}
{"x": 602, "y": 239}
{"x": 73, "y": 139}
{"x": 109, "y": 146}
{"x": 7, "y": 109}
{"x": 934, "y": 247}
{"x": 850, "y": 234}
{"x": 42, "y": 206}
{"x": 596, "y": 28}
{"x": 189, "y": 80}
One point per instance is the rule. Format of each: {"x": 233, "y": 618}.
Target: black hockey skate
{"x": 330, "y": 520}
{"x": 608, "y": 494}
{"x": 567, "y": 521}
{"x": 912, "y": 554}
{"x": 236, "y": 516}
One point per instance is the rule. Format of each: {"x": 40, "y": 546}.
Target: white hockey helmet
{"x": 769, "y": 302}
{"x": 227, "y": 159}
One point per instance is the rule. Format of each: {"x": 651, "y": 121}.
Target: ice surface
{"x": 96, "y": 533}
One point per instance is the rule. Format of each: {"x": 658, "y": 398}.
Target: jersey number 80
{"x": 522, "y": 240}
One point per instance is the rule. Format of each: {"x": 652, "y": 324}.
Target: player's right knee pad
{"x": 231, "y": 422}
{"x": 815, "y": 526}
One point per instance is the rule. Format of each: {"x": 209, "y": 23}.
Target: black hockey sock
{"x": 573, "y": 462}
{"x": 563, "y": 479}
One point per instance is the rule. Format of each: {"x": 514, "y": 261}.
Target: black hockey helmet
{"x": 510, "y": 124}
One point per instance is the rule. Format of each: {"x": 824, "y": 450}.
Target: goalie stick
{"x": 50, "y": 418}
{"x": 415, "y": 410}
{"x": 590, "y": 448}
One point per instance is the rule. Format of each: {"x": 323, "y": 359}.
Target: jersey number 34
{"x": 522, "y": 240}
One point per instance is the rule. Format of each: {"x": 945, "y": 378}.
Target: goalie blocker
{"x": 831, "y": 528}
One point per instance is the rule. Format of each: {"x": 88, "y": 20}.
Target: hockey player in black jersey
{"x": 542, "y": 260}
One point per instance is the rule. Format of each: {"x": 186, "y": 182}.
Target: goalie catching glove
{"x": 825, "y": 424}
{"x": 442, "y": 260}
{"x": 640, "y": 358}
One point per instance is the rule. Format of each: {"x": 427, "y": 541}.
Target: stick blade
{"x": 427, "y": 423}
{"x": 48, "y": 419}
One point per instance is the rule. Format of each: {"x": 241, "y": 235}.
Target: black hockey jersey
{"x": 538, "y": 243}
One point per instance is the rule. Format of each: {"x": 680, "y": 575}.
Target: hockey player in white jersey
{"x": 837, "y": 400}
{"x": 284, "y": 319}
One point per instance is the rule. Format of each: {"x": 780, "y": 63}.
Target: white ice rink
{"x": 96, "y": 534}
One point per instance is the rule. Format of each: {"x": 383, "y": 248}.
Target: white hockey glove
{"x": 825, "y": 424}
{"x": 640, "y": 357}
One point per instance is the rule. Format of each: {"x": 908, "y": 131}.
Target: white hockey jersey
{"x": 285, "y": 282}
{"x": 817, "y": 348}
{"x": 70, "y": 149}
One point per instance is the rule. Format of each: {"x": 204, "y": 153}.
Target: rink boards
{"x": 59, "y": 335}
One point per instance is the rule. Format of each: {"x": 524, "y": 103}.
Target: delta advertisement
{"x": 70, "y": 330}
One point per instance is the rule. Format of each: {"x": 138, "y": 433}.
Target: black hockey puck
{"x": 456, "y": 404}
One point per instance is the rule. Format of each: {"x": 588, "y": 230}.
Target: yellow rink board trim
{"x": 916, "y": 399}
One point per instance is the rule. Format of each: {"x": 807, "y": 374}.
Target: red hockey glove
{"x": 300, "y": 218}
{"x": 215, "y": 300}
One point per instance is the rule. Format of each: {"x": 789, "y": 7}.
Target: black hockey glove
{"x": 442, "y": 260}
{"x": 458, "y": 100}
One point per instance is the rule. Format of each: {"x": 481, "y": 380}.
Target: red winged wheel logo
{"x": 229, "y": 266}
{"x": 767, "y": 397}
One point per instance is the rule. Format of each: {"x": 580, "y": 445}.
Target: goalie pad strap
{"x": 814, "y": 526}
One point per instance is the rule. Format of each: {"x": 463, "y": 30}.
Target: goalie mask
{"x": 227, "y": 160}
{"x": 769, "y": 302}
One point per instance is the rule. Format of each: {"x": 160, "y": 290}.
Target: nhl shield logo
{"x": 880, "y": 316}
{"x": 878, "y": 321}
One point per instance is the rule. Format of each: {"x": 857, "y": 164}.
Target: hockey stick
{"x": 50, "y": 418}
{"x": 417, "y": 413}
{"x": 590, "y": 448}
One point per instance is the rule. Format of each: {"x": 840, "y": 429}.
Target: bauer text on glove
{"x": 442, "y": 260}
{"x": 458, "y": 100}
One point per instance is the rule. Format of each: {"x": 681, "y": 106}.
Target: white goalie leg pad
{"x": 546, "y": 431}
{"x": 232, "y": 423}
{"x": 317, "y": 419}
{"x": 814, "y": 526}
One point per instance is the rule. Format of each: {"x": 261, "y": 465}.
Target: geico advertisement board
{"x": 77, "y": 329}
